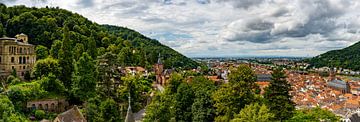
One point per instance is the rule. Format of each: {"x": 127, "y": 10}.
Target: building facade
{"x": 16, "y": 53}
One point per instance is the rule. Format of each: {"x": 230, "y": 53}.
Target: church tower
{"x": 159, "y": 68}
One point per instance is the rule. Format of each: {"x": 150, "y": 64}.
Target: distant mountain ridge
{"x": 348, "y": 58}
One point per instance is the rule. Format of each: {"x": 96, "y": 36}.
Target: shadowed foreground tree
{"x": 277, "y": 96}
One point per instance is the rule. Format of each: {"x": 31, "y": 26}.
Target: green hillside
{"x": 46, "y": 25}
{"x": 348, "y": 58}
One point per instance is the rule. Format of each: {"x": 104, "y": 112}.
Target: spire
{"x": 129, "y": 115}
{"x": 159, "y": 59}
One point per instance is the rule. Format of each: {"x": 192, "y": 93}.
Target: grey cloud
{"x": 316, "y": 17}
{"x": 212, "y": 48}
{"x": 242, "y": 3}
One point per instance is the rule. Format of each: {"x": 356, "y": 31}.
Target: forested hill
{"x": 348, "y": 58}
{"x": 45, "y": 25}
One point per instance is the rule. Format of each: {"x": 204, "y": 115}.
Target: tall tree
{"x": 184, "y": 99}
{"x": 109, "y": 75}
{"x": 254, "y": 113}
{"x": 55, "y": 48}
{"x": 84, "y": 80}
{"x": 230, "y": 98}
{"x": 202, "y": 108}
{"x": 66, "y": 58}
{"x": 277, "y": 96}
{"x": 91, "y": 47}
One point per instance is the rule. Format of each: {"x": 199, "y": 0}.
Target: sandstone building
{"x": 16, "y": 53}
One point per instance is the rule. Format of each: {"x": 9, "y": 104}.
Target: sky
{"x": 217, "y": 28}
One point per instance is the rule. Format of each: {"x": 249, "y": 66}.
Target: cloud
{"x": 229, "y": 27}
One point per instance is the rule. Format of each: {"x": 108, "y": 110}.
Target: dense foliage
{"x": 345, "y": 58}
{"x": 45, "y": 26}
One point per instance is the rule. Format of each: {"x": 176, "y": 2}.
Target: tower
{"x": 159, "y": 68}
{"x": 22, "y": 37}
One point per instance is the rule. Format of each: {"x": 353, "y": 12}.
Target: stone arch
{"x": 46, "y": 107}
{"x": 40, "y": 107}
{"x": 52, "y": 107}
{"x": 33, "y": 106}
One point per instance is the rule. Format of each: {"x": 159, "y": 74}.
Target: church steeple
{"x": 129, "y": 115}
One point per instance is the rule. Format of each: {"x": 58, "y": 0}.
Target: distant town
{"x": 334, "y": 89}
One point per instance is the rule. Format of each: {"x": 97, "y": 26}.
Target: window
{"x": 20, "y": 50}
{"x": 24, "y": 60}
{"x": 12, "y": 67}
{"x": 23, "y": 67}
{"x": 12, "y": 60}
{"x": 0, "y": 59}
{"x": 20, "y": 60}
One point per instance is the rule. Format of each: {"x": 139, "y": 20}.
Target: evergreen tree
{"x": 277, "y": 96}
{"x": 108, "y": 76}
{"x": 66, "y": 59}
{"x": 84, "y": 80}
{"x": 91, "y": 47}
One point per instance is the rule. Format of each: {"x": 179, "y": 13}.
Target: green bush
{"x": 40, "y": 114}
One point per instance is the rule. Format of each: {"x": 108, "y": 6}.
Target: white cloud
{"x": 229, "y": 27}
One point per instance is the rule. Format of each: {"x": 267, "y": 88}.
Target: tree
{"x": 66, "y": 58}
{"x": 92, "y": 110}
{"x": 41, "y": 52}
{"x": 6, "y": 107}
{"x": 78, "y": 51}
{"x": 91, "y": 48}
{"x": 277, "y": 96}
{"x": 46, "y": 66}
{"x": 14, "y": 72}
{"x": 110, "y": 111}
{"x": 27, "y": 76}
{"x": 139, "y": 91}
{"x": 254, "y": 113}
{"x": 2, "y": 30}
{"x": 314, "y": 115}
{"x": 159, "y": 110}
{"x": 108, "y": 74}
{"x": 202, "y": 108}
{"x": 84, "y": 78}
{"x": 52, "y": 84}
{"x": 184, "y": 99}
{"x": 230, "y": 98}
{"x": 55, "y": 47}
{"x": 39, "y": 114}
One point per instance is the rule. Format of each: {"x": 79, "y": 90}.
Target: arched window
{"x": 33, "y": 107}
{"x": 40, "y": 107}
{"x": 20, "y": 60}
{"x": 20, "y": 50}
{"x": 24, "y": 60}
{"x": 52, "y": 107}
{"x": 46, "y": 107}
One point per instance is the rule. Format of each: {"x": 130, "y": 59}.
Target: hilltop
{"x": 348, "y": 58}
{"x": 45, "y": 25}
